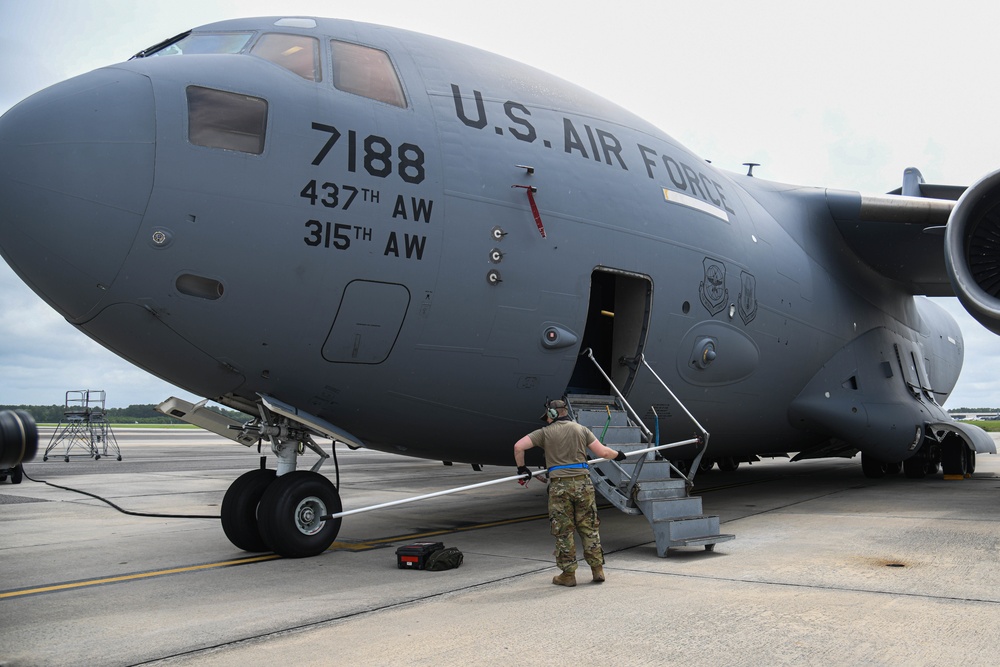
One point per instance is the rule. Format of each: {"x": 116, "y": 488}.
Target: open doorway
{"x": 617, "y": 324}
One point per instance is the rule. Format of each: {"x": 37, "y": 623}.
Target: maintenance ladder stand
{"x": 648, "y": 484}
{"x": 84, "y": 425}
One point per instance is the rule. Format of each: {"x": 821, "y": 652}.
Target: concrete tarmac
{"x": 828, "y": 568}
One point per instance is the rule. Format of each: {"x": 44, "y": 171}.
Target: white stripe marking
{"x": 691, "y": 202}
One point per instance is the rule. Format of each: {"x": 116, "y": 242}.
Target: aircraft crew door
{"x": 617, "y": 324}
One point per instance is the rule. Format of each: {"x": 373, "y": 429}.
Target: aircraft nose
{"x": 76, "y": 172}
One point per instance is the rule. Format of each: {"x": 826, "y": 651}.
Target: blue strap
{"x": 569, "y": 465}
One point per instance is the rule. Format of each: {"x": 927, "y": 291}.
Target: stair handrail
{"x": 628, "y": 408}
{"x": 637, "y": 420}
{"x": 642, "y": 426}
{"x": 701, "y": 429}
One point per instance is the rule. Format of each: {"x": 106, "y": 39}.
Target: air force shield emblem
{"x": 748, "y": 297}
{"x": 713, "y": 290}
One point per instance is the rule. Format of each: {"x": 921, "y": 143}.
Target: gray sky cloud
{"x": 843, "y": 95}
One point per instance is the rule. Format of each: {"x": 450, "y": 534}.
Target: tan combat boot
{"x": 598, "y": 573}
{"x": 565, "y": 579}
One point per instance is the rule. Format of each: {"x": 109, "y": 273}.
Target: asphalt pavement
{"x": 827, "y": 568}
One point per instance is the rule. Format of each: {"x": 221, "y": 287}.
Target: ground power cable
{"x": 120, "y": 509}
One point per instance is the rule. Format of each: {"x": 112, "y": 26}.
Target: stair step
{"x": 618, "y": 435}
{"x": 596, "y": 420}
{"x": 663, "y": 509}
{"x": 685, "y": 531}
{"x": 674, "y": 515}
{"x": 675, "y": 509}
{"x": 652, "y": 471}
{"x": 652, "y": 477}
{"x": 592, "y": 401}
{"x": 707, "y": 541}
{"x": 686, "y": 526}
{"x": 662, "y": 488}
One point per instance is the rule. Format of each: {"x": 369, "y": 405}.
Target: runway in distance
{"x": 399, "y": 242}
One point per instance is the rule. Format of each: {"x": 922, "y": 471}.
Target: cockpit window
{"x": 199, "y": 43}
{"x": 219, "y": 119}
{"x": 296, "y": 53}
{"x": 365, "y": 71}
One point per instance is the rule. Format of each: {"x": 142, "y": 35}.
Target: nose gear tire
{"x": 239, "y": 509}
{"x": 289, "y": 511}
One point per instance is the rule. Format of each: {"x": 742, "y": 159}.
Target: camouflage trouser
{"x": 572, "y": 506}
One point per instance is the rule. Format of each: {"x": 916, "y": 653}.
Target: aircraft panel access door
{"x": 367, "y": 323}
{"x": 616, "y": 329}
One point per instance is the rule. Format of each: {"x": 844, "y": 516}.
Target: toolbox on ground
{"x": 414, "y": 556}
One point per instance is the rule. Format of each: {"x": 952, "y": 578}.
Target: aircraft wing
{"x": 899, "y": 236}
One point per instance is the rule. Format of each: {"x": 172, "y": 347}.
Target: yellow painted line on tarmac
{"x": 336, "y": 546}
{"x": 132, "y": 577}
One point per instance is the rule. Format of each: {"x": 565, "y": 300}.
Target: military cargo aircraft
{"x": 403, "y": 243}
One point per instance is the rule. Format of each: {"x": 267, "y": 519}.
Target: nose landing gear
{"x": 280, "y": 510}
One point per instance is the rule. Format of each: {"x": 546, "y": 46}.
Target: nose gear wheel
{"x": 239, "y": 509}
{"x": 289, "y": 514}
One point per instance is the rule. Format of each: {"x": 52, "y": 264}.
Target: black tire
{"x": 970, "y": 462}
{"x": 239, "y": 509}
{"x": 872, "y": 467}
{"x": 288, "y": 516}
{"x": 728, "y": 464}
{"x": 915, "y": 467}
{"x": 16, "y": 474}
{"x": 954, "y": 460}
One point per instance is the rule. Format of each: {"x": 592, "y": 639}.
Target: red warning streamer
{"x": 534, "y": 208}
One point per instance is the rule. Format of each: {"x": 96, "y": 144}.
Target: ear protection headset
{"x": 551, "y": 412}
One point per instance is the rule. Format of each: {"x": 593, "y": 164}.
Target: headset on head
{"x": 550, "y": 411}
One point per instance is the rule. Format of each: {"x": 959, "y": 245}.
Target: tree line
{"x": 133, "y": 414}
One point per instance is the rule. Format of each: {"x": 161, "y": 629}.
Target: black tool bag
{"x": 444, "y": 559}
{"x": 414, "y": 556}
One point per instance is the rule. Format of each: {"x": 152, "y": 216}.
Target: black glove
{"x": 523, "y": 470}
{"x": 620, "y": 457}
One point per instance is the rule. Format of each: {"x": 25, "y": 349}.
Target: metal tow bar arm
{"x": 482, "y": 484}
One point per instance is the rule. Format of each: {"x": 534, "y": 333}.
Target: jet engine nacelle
{"x": 972, "y": 251}
{"x": 18, "y": 438}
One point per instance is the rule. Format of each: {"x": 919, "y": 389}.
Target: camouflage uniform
{"x": 572, "y": 505}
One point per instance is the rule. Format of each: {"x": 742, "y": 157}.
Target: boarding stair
{"x": 648, "y": 483}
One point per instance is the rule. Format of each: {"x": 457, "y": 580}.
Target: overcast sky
{"x": 840, "y": 94}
